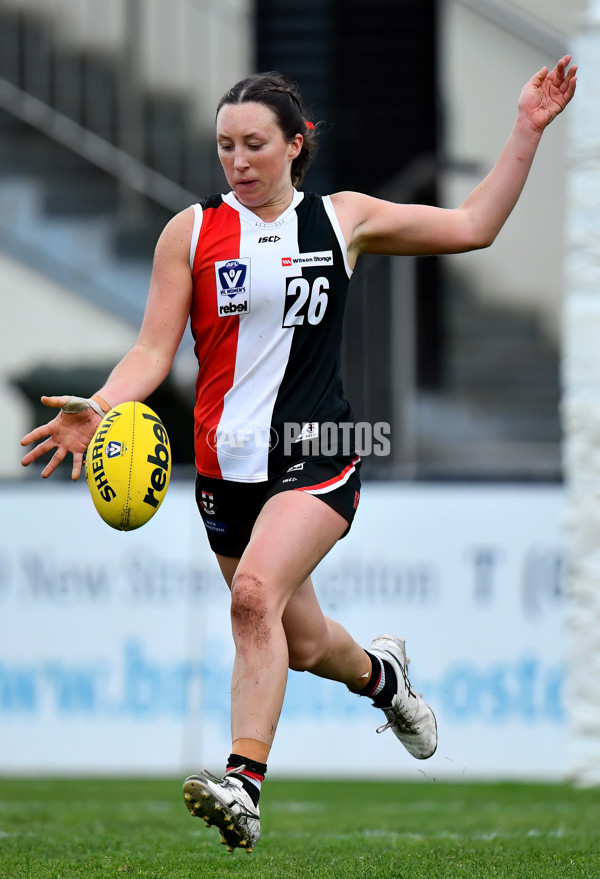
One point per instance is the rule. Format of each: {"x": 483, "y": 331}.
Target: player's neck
{"x": 272, "y": 210}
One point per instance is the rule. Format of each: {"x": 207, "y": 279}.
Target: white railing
{"x": 124, "y": 167}
{"x": 193, "y": 48}
{"x": 187, "y": 51}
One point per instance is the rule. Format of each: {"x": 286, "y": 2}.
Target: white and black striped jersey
{"x": 267, "y": 317}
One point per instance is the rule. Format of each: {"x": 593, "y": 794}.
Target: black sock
{"x": 251, "y": 776}
{"x": 382, "y": 684}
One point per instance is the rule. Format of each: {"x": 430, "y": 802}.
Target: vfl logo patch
{"x": 232, "y": 276}
{"x": 233, "y": 286}
{"x": 113, "y": 449}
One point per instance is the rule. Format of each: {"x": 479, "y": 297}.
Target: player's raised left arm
{"x": 488, "y": 207}
{"x": 376, "y": 226}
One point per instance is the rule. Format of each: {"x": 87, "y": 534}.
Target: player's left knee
{"x": 306, "y": 655}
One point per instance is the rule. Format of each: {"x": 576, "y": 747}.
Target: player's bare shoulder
{"x": 352, "y": 210}
{"x": 349, "y": 205}
{"x": 176, "y": 235}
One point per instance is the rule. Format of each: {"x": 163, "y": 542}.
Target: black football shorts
{"x": 230, "y": 509}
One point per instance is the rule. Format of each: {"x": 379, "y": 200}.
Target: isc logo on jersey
{"x": 233, "y": 287}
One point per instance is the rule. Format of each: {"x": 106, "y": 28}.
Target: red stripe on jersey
{"x": 219, "y": 234}
{"x": 330, "y": 483}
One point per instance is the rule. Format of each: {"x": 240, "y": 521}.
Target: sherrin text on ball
{"x": 128, "y": 466}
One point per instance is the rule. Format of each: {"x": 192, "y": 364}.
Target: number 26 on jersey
{"x": 305, "y": 302}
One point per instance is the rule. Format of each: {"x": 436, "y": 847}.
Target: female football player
{"x": 262, "y": 273}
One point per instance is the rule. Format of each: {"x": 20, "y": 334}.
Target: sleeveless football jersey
{"x": 267, "y": 317}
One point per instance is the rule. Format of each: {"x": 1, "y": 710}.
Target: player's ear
{"x": 295, "y": 146}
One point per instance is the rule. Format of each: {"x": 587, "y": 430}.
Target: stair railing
{"x": 100, "y": 152}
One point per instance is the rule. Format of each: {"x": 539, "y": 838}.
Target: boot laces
{"x": 228, "y": 783}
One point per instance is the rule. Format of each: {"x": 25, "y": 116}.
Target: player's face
{"x": 255, "y": 156}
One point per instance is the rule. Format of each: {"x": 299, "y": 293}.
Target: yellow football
{"x": 128, "y": 466}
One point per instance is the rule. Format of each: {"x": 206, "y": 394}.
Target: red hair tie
{"x": 309, "y": 125}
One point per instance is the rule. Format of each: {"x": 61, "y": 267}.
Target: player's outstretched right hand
{"x": 67, "y": 432}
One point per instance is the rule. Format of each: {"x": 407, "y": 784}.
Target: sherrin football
{"x": 128, "y": 466}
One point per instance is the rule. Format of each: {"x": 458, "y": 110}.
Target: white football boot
{"x": 224, "y": 803}
{"x": 411, "y": 719}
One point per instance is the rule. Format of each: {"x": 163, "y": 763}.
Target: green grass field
{"x": 91, "y": 828}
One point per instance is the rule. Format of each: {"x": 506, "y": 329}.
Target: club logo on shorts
{"x": 233, "y": 287}
{"x": 207, "y": 501}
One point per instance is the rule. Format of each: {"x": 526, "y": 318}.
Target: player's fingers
{"x": 561, "y": 66}
{"x": 36, "y": 434}
{"x": 55, "y": 402}
{"x": 40, "y": 450}
{"x": 57, "y": 458}
{"x": 569, "y": 83}
{"x": 77, "y": 466}
{"x": 538, "y": 78}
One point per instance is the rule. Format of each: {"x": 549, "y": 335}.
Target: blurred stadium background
{"x": 109, "y": 642}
